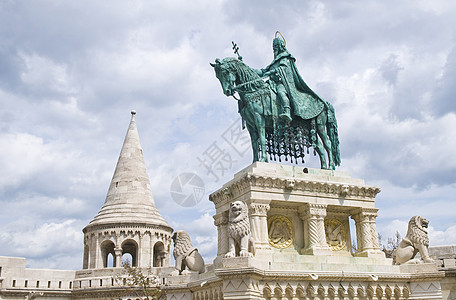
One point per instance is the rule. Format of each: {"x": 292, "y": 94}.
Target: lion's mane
{"x": 183, "y": 244}
{"x": 239, "y": 225}
{"x": 416, "y": 233}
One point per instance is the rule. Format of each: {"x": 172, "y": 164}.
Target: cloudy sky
{"x": 71, "y": 72}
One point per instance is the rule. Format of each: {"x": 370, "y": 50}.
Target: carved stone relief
{"x": 336, "y": 234}
{"x": 280, "y": 231}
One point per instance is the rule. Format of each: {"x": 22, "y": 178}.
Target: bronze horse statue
{"x": 268, "y": 132}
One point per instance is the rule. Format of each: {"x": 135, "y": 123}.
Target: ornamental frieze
{"x": 329, "y": 189}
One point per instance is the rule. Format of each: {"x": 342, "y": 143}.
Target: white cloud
{"x": 47, "y": 239}
{"x": 436, "y": 237}
{"x": 22, "y": 157}
{"x": 203, "y": 234}
{"x": 442, "y": 237}
{"x": 41, "y": 73}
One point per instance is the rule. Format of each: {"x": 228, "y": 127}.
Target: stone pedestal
{"x": 295, "y": 209}
{"x": 300, "y": 223}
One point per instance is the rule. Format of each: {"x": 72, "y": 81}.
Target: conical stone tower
{"x": 129, "y": 224}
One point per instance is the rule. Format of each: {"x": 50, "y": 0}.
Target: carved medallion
{"x": 280, "y": 231}
{"x": 336, "y": 234}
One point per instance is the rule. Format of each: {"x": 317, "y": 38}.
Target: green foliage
{"x": 140, "y": 282}
{"x": 391, "y": 246}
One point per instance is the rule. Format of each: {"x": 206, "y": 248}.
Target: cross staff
{"x": 236, "y": 50}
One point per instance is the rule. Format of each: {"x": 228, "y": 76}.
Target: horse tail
{"x": 331, "y": 128}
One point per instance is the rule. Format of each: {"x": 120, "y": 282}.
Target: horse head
{"x": 225, "y": 75}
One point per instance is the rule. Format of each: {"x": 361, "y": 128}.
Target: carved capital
{"x": 365, "y": 215}
{"x": 118, "y": 251}
{"x": 258, "y": 209}
{"x": 220, "y": 219}
{"x": 313, "y": 210}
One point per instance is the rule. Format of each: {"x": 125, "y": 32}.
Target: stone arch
{"x": 130, "y": 246}
{"x": 361, "y": 292}
{"x": 331, "y": 291}
{"x": 388, "y": 292}
{"x": 310, "y": 291}
{"x": 289, "y": 292}
{"x": 405, "y": 292}
{"x": 278, "y": 292}
{"x": 321, "y": 292}
{"x": 351, "y": 292}
{"x": 379, "y": 292}
{"x": 370, "y": 292}
{"x": 397, "y": 292}
{"x": 159, "y": 254}
{"x": 107, "y": 248}
{"x": 300, "y": 292}
{"x": 267, "y": 293}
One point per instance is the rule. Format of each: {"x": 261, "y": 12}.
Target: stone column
{"x": 92, "y": 250}
{"x": 221, "y": 221}
{"x": 313, "y": 217}
{"x": 85, "y": 260}
{"x": 118, "y": 258}
{"x": 366, "y": 233}
{"x": 140, "y": 251}
{"x": 151, "y": 249}
{"x": 98, "y": 258}
{"x": 259, "y": 225}
{"x": 168, "y": 251}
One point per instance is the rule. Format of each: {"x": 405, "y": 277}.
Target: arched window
{"x": 107, "y": 250}
{"x": 159, "y": 254}
{"x": 111, "y": 261}
{"x": 130, "y": 247}
{"x": 127, "y": 258}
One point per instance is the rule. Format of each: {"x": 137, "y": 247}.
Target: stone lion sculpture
{"x": 415, "y": 241}
{"x": 185, "y": 254}
{"x": 240, "y": 241}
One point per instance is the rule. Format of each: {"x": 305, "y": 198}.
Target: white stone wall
{"x": 15, "y": 278}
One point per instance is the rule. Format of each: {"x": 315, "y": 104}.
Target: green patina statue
{"x": 283, "y": 115}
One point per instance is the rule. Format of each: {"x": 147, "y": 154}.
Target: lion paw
{"x": 428, "y": 260}
{"x": 230, "y": 255}
{"x": 245, "y": 253}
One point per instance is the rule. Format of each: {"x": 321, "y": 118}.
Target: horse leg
{"x": 261, "y": 126}
{"x": 321, "y": 130}
{"x": 321, "y": 121}
{"x": 253, "y": 140}
{"x": 321, "y": 153}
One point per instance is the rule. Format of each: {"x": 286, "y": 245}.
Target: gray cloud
{"x": 445, "y": 91}
{"x": 70, "y": 74}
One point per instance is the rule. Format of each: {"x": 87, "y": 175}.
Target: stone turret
{"x": 129, "y": 222}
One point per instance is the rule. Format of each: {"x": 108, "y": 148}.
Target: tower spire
{"x": 129, "y": 198}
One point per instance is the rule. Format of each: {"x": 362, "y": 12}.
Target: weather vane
{"x": 236, "y": 50}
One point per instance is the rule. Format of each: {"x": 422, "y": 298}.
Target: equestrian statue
{"x": 283, "y": 115}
